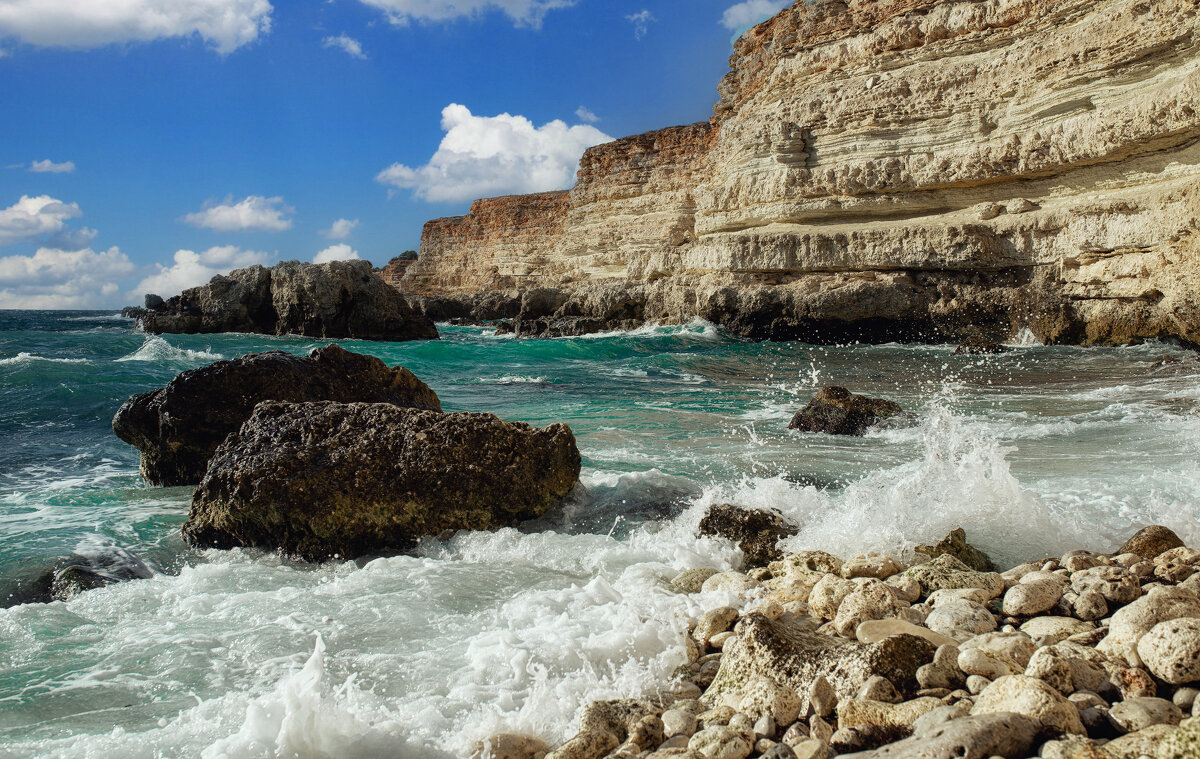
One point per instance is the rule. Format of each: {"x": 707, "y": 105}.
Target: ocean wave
{"x": 696, "y": 328}
{"x": 512, "y": 379}
{"x": 157, "y": 349}
{"x": 29, "y": 358}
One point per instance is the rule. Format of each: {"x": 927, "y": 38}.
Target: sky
{"x": 148, "y": 145}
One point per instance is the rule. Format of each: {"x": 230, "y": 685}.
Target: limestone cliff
{"x": 881, "y": 169}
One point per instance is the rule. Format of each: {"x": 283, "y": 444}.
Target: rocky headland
{"x": 878, "y": 170}
{"x": 342, "y": 299}
{"x": 1081, "y": 656}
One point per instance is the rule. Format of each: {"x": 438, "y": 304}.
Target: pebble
{"x": 1135, "y": 714}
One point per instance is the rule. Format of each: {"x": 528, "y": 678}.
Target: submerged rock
{"x": 755, "y": 531}
{"x": 324, "y": 480}
{"x": 338, "y": 299}
{"x": 837, "y": 411}
{"x": 178, "y": 427}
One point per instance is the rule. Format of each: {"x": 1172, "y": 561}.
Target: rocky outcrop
{"x": 334, "y": 300}
{"x": 178, "y": 427}
{"x": 837, "y": 411}
{"x": 756, "y": 532}
{"x": 887, "y": 169}
{"x": 325, "y": 480}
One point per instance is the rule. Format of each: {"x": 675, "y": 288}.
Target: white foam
{"x": 157, "y": 349}
{"x": 511, "y": 379}
{"x": 29, "y": 358}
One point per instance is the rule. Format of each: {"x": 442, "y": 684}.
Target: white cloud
{"x": 522, "y": 12}
{"x": 191, "y": 269}
{"x": 347, "y": 44}
{"x": 226, "y": 25}
{"x": 585, "y": 114}
{"x": 340, "y": 229}
{"x": 641, "y": 23}
{"x": 483, "y": 156}
{"x": 751, "y": 13}
{"x": 50, "y": 167}
{"x": 34, "y": 217}
{"x": 54, "y": 278}
{"x": 339, "y": 252}
{"x": 252, "y": 214}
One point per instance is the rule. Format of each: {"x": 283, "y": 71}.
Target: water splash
{"x": 156, "y": 349}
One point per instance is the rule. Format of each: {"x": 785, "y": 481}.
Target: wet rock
{"x": 807, "y": 562}
{"x": 734, "y": 582}
{"x": 1033, "y": 597}
{"x": 1183, "y": 743}
{"x": 1149, "y": 542}
{"x": 714, "y": 621}
{"x": 755, "y": 531}
{"x": 948, "y": 573}
{"x": 510, "y": 746}
{"x": 1171, "y": 651}
{"x": 342, "y": 299}
{"x": 178, "y": 427}
{"x": 1130, "y": 623}
{"x": 955, "y": 544}
{"x": 960, "y": 619}
{"x": 592, "y": 744}
{"x": 619, "y": 716}
{"x": 692, "y": 580}
{"x": 837, "y": 411}
{"x": 876, "y": 630}
{"x": 333, "y": 479}
{"x": 974, "y": 737}
{"x": 1135, "y": 714}
{"x": 1033, "y": 698}
{"x": 796, "y": 658}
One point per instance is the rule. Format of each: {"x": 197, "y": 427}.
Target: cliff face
{"x": 890, "y": 168}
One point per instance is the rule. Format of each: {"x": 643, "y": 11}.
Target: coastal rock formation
{"x": 756, "y": 532}
{"x": 334, "y": 300}
{"x": 178, "y": 427}
{"x": 837, "y": 411}
{"x": 881, "y": 170}
{"x": 325, "y": 480}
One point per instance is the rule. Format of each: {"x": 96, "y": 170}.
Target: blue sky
{"x": 149, "y": 144}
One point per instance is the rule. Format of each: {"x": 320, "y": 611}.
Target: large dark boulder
{"x": 323, "y": 480}
{"x": 837, "y": 411}
{"x": 338, "y": 299}
{"x": 178, "y": 427}
{"x": 755, "y": 531}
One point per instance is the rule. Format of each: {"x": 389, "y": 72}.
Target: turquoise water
{"x": 245, "y": 654}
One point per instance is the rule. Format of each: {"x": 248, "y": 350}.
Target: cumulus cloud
{"x": 523, "y": 12}
{"x": 339, "y": 252}
{"x": 340, "y": 229}
{"x": 35, "y": 217}
{"x": 251, "y": 214}
{"x": 50, "y": 167}
{"x": 54, "y": 278}
{"x": 641, "y": 23}
{"x": 751, "y": 13}
{"x": 585, "y": 114}
{"x": 347, "y": 44}
{"x": 191, "y": 269}
{"x": 484, "y": 156}
{"x": 225, "y": 25}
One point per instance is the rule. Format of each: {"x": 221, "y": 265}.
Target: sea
{"x": 246, "y": 653}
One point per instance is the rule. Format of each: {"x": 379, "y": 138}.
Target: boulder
{"x": 755, "y": 531}
{"x": 338, "y": 299}
{"x": 321, "y": 480}
{"x": 1027, "y": 598}
{"x": 1149, "y": 542}
{"x": 1033, "y": 698}
{"x": 178, "y": 427}
{"x": 1171, "y": 651}
{"x": 974, "y": 737}
{"x": 837, "y": 411}
{"x": 792, "y": 656}
{"x": 960, "y": 619}
{"x": 1130, "y": 623}
{"x": 1136, "y": 714}
{"x": 948, "y": 573}
{"x": 955, "y": 544}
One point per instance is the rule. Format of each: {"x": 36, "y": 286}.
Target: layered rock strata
{"x": 334, "y": 300}
{"x": 881, "y": 169}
